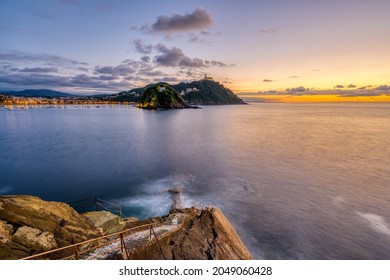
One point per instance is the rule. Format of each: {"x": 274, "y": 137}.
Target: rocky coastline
{"x": 30, "y": 225}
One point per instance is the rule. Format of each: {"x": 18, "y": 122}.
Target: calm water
{"x": 307, "y": 181}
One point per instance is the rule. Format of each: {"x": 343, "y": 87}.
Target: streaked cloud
{"x": 351, "y": 86}
{"x": 39, "y": 70}
{"x": 267, "y": 81}
{"x": 267, "y": 31}
{"x": 339, "y": 86}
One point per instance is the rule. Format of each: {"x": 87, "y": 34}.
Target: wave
{"x": 156, "y": 197}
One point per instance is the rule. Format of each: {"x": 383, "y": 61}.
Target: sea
{"x": 297, "y": 181}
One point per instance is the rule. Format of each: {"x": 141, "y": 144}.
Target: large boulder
{"x": 34, "y": 238}
{"x": 106, "y": 221}
{"x": 37, "y": 225}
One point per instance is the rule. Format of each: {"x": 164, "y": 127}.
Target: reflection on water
{"x": 304, "y": 181}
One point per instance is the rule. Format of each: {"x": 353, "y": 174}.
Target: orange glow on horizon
{"x": 315, "y": 98}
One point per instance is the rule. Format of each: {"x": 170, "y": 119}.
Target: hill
{"x": 161, "y": 96}
{"x": 207, "y": 92}
{"x": 202, "y": 92}
{"x": 38, "y": 93}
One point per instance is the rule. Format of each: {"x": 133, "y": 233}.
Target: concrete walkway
{"x": 139, "y": 238}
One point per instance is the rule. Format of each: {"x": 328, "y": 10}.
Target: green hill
{"x": 161, "y": 96}
{"x": 202, "y": 92}
{"x": 207, "y": 92}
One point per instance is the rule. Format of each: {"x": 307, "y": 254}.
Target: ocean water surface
{"x": 298, "y": 181}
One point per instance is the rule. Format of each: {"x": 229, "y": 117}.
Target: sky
{"x": 257, "y": 47}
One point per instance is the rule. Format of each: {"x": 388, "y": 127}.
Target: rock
{"x": 55, "y": 219}
{"x": 35, "y": 239}
{"x": 206, "y": 234}
{"x": 5, "y": 232}
{"x": 106, "y": 221}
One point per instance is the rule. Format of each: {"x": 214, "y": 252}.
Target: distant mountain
{"x": 38, "y": 93}
{"x": 202, "y": 92}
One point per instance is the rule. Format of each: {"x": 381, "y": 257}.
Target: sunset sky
{"x": 290, "y": 46}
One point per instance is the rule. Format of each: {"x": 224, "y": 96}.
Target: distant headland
{"x": 182, "y": 95}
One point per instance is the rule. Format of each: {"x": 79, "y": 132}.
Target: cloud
{"x": 383, "y": 87}
{"x": 294, "y": 77}
{"x": 338, "y": 86}
{"x": 46, "y": 59}
{"x": 140, "y": 47}
{"x": 297, "y": 89}
{"x": 145, "y": 58}
{"x": 267, "y": 81}
{"x": 267, "y": 31}
{"x": 196, "y": 20}
{"x": 351, "y": 86}
{"x": 39, "y": 70}
{"x": 120, "y": 70}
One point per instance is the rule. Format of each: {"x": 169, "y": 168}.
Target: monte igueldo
{"x": 179, "y": 96}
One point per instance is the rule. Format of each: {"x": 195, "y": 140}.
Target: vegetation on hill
{"x": 202, "y": 92}
{"x": 161, "y": 96}
{"x": 207, "y": 92}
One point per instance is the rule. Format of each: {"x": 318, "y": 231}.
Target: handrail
{"x": 75, "y": 246}
{"x": 98, "y": 202}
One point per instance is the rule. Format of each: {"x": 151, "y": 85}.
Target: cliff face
{"x": 30, "y": 225}
{"x": 205, "y": 234}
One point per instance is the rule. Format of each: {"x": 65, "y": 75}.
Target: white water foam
{"x": 376, "y": 222}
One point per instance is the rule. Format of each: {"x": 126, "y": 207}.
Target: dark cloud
{"x": 294, "y": 77}
{"x": 145, "y": 58}
{"x": 175, "y": 57}
{"x": 196, "y": 20}
{"x": 120, "y": 70}
{"x": 351, "y": 86}
{"x": 217, "y": 63}
{"x": 338, "y": 86}
{"x": 267, "y": 31}
{"x": 297, "y": 89}
{"x": 365, "y": 87}
{"x": 383, "y": 87}
{"x": 140, "y": 47}
{"x": 84, "y": 69}
{"x": 267, "y": 81}
{"x": 39, "y": 70}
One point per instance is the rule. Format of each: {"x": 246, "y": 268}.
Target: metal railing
{"x": 81, "y": 248}
{"x": 97, "y": 205}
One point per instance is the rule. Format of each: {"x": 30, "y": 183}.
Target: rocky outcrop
{"x": 162, "y": 96}
{"x": 30, "y": 225}
{"x": 106, "y": 221}
{"x": 205, "y": 234}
